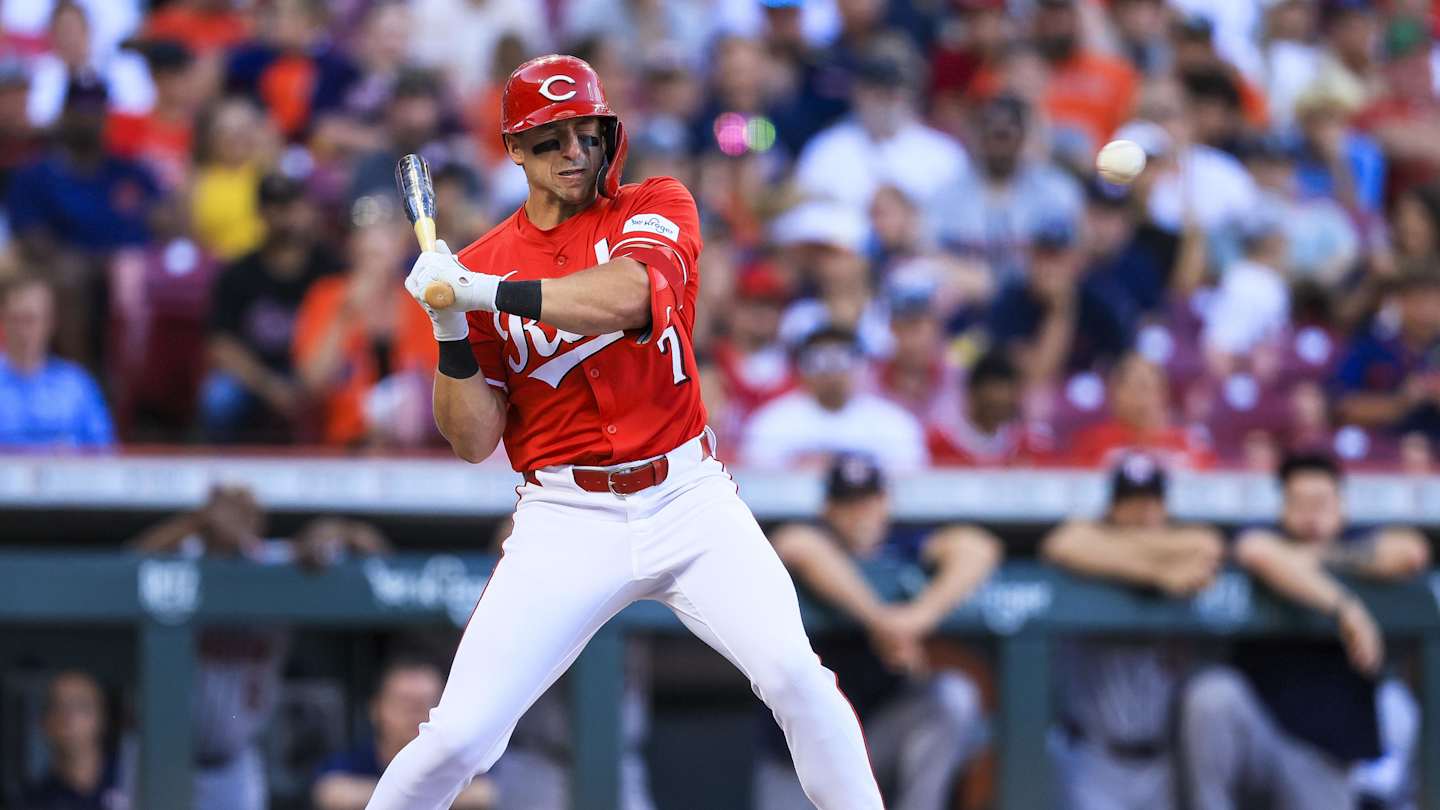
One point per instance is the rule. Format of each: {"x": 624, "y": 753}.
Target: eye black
{"x": 546, "y": 146}
{"x": 590, "y": 141}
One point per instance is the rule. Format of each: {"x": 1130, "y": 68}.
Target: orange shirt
{"x": 199, "y": 31}
{"x": 163, "y": 146}
{"x": 1092, "y": 93}
{"x": 412, "y": 348}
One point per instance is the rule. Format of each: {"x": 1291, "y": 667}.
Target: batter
{"x": 570, "y": 337}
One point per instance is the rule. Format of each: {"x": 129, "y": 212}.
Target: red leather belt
{"x": 625, "y": 480}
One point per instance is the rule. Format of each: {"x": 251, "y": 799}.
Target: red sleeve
{"x": 661, "y": 230}
{"x": 488, "y": 348}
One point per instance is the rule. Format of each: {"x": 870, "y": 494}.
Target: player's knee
{"x": 1209, "y": 697}
{"x": 957, "y": 702}
{"x": 793, "y": 680}
{"x": 453, "y": 747}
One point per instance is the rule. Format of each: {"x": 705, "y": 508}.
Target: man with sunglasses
{"x": 570, "y": 337}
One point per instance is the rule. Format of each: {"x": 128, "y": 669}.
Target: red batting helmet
{"x": 556, "y": 87}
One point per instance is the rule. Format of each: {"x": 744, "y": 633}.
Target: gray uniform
{"x": 1116, "y": 697}
{"x": 237, "y": 683}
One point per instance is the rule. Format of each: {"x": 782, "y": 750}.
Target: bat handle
{"x": 439, "y": 295}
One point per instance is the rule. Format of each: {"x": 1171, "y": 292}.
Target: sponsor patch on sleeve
{"x": 653, "y": 223}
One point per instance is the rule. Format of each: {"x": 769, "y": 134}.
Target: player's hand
{"x": 897, "y": 636}
{"x": 1364, "y": 645}
{"x": 473, "y": 291}
{"x": 440, "y": 265}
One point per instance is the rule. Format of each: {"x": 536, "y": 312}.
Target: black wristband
{"x": 519, "y": 298}
{"x": 457, "y": 360}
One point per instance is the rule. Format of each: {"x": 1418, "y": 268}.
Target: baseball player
{"x": 570, "y": 337}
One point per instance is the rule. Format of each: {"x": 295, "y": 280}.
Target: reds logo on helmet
{"x": 556, "y": 87}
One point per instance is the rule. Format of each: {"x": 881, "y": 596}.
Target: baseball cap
{"x": 760, "y": 282}
{"x": 910, "y": 290}
{"x": 1195, "y": 27}
{"x": 822, "y": 222}
{"x": 1137, "y": 474}
{"x": 852, "y": 476}
{"x": 167, "y": 56}
{"x": 86, "y": 93}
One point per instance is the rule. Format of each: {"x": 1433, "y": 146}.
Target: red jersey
{"x": 602, "y": 399}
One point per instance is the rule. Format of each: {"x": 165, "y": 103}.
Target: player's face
{"x": 1139, "y": 512}
{"x": 561, "y": 159}
{"x": 862, "y": 522}
{"x": 1313, "y": 511}
{"x": 75, "y": 714}
{"x": 404, "y": 702}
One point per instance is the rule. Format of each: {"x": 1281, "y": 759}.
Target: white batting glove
{"x": 473, "y": 291}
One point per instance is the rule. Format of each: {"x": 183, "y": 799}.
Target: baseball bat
{"x": 412, "y": 176}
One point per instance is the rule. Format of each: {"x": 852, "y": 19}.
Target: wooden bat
{"x": 412, "y": 176}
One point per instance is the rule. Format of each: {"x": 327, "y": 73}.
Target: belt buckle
{"x": 610, "y": 477}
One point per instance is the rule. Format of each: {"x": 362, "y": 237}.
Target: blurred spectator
{"x": 994, "y": 211}
{"x": 1140, "y": 27}
{"x": 1321, "y": 234}
{"x": 412, "y": 117}
{"x": 969, "y": 44}
{"x": 883, "y": 141}
{"x": 289, "y": 69}
{"x": 251, "y": 392}
{"x": 1088, "y": 94}
{"x": 821, "y": 252}
{"x": 1265, "y": 704}
{"x": 1196, "y": 55}
{"x": 363, "y": 350}
{"x": 1212, "y": 100}
{"x": 73, "y": 62}
{"x": 353, "y": 124}
{"x": 235, "y": 146}
{"x": 44, "y": 401}
{"x": 1252, "y": 304}
{"x": 1405, "y": 118}
{"x": 408, "y": 689}
{"x": 237, "y": 680}
{"x": 160, "y": 139}
{"x": 1388, "y": 378}
{"x": 20, "y": 141}
{"x": 1291, "y": 55}
{"x": 1152, "y": 268}
{"x": 988, "y": 428}
{"x": 1337, "y": 160}
{"x": 1193, "y": 184}
{"x": 1349, "y": 64}
{"x": 921, "y": 726}
{"x": 1139, "y": 418}
{"x": 82, "y": 774}
{"x": 1118, "y": 695}
{"x": 753, "y": 364}
{"x": 828, "y": 414}
{"x": 1056, "y": 319}
{"x": 919, "y": 373}
{"x": 642, "y": 27}
{"x": 205, "y": 26}
{"x": 460, "y": 37}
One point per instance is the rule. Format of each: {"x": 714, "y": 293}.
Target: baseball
{"x": 1120, "y": 162}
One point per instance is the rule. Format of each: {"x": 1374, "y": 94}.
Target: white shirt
{"x": 1218, "y": 188}
{"x": 1289, "y": 68}
{"x": 1251, "y": 306}
{"x": 843, "y": 163}
{"x": 795, "y": 426}
{"x": 111, "y": 21}
{"x": 125, "y": 74}
{"x": 459, "y": 36}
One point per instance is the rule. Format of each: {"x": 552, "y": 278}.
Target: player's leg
{"x": 1227, "y": 742}
{"x": 735, "y": 595}
{"x": 563, "y": 574}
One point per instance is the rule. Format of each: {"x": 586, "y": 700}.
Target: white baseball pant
{"x": 573, "y": 561}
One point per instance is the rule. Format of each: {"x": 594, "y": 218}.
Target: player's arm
{"x": 342, "y": 791}
{"x": 1177, "y": 560}
{"x": 609, "y": 297}
{"x": 1298, "y": 574}
{"x": 469, "y": 411}
{"x": 1391, "y": 553}
{"x": 827, "y": 571}
{"x": 963, "y": 557}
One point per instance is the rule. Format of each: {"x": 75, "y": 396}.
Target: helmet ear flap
{"x": 617, "y": 147}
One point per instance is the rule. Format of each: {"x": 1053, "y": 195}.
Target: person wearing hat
{"x": 988, "y": 428}
{"x": 883, "y": 139}
{"x": 1088, "y": 93}
{"x": 829, "y": 413}
{"x": 1287, "y": 718}
{"x": 1403, "y": 118}
{"x": 251, "y": 393}
{"x": 921, "y": 725}
{"x": 1251, "y": 306}
{"x": 994, "y": 211}
{"x": 1117, "y": 696}
{"x": 160, "y": 137}
{"x": 1389, "y": 376}
{"x": 73, "y": 57}
{"x": 1056, "y": 319}
{"x": 754, "y": 366}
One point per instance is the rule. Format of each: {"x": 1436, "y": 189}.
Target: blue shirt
{"x": 96, "y": 211}
{"x": 358, "y": 761}
{"x": 58, "y": 404}
{"x": 1367, "y": 168}
{"x": 1380, "y": 362}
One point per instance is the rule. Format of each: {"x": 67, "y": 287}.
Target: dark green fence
{"x": 1022, "y": 609}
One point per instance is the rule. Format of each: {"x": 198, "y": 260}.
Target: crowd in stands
{"x": 898, "y": 200}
